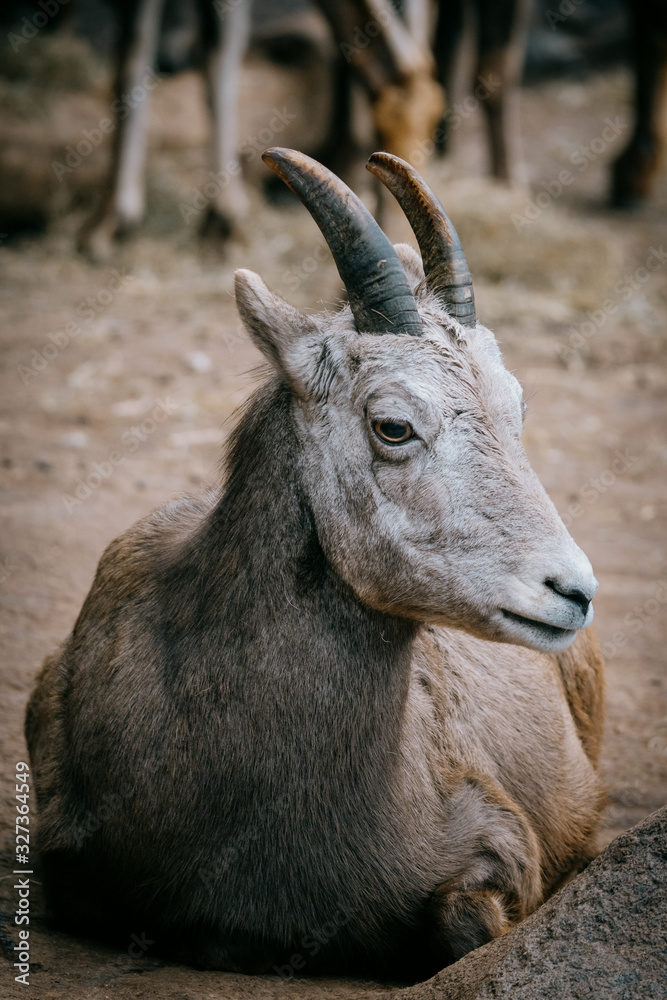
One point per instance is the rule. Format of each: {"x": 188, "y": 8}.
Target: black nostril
{"x": 572, "y": 595}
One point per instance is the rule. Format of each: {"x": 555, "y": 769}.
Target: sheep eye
{"x": 393, "y": 431}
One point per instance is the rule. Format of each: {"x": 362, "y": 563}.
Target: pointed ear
{"x": 412, "y": 263}
{"x": 285, "y": 336}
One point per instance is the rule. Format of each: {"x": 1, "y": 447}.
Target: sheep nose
{"x": 572, "y": 593}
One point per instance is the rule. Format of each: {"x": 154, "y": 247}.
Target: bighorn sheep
{"x": 336, "y": 714}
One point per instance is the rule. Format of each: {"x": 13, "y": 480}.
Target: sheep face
{"x": 413, "y": 467}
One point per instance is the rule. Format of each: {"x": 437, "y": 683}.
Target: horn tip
{"x": 289, "y": 164}
{"x": 283, "y": 162}
{"x": 276, "y": 154}
{"x": 382, "y": 159}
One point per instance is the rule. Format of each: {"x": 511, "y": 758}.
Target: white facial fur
{"x": 451, "y": 527}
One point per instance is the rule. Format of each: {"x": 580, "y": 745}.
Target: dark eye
{"x": 393, "y": 431}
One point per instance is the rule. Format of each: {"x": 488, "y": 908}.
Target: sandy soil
{"x": 106, "y": 419}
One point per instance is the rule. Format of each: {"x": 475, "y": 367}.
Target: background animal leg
{"x": 501, "y": 28}
{"x": 448, "y": 33}
{"x": 223, "y": 70}
{"x": 634, "y": 170}
{"x": 124, "y": 205}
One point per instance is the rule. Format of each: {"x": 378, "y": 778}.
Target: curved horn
{"x": 445, "y": 266}
{"x": 378, "y": 290}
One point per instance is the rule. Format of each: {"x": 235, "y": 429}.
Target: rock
{"x": 602, "y": 937}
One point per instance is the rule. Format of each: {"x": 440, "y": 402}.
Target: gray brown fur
{"x": 287, "y": 691}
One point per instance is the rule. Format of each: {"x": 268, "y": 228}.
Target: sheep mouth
{"x": 542, "y": 629}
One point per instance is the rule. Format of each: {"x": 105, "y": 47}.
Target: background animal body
{"x": 334, "y": 50}
{"x": 394, "y": 56}
{"x": 396, "y": 53}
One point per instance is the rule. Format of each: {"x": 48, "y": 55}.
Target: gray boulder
{"x": 602, "y": 937}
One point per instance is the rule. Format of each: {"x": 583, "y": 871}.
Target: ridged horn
{"x": 380, "y": 296}
{"x": 446, "y": 269}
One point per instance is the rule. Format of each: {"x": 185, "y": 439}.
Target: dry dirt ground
{"x": 103, "y": 420}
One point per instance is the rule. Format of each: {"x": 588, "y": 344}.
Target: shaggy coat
{"x": 279, "y": 736}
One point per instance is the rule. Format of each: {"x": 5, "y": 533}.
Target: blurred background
{"x": 123, "y": 214}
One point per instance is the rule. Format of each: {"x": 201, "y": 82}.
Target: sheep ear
{"x": 282, "y": 333}
{"x": 412, "y": 264}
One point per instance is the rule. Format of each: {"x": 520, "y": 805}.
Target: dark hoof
{"x": 98, "y": 238}
{"x": 217, "y": 227}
